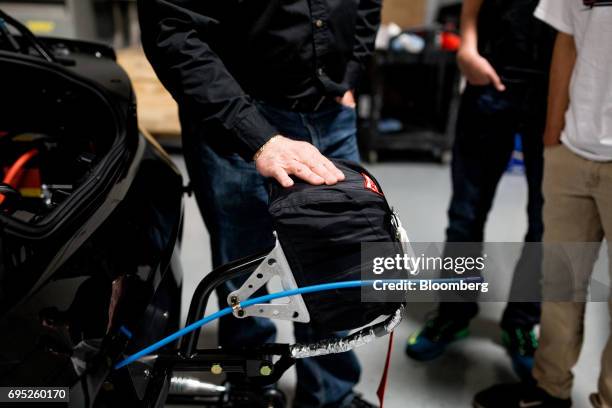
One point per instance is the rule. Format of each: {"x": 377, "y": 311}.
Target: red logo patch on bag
{"x": 370, "y": 184}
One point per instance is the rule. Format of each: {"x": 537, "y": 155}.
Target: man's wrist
{"x": 259, "y": 152}
{"x": 552, "y": 138}
{"x": 353, "y": 73}
{"x": 467, "y": 49}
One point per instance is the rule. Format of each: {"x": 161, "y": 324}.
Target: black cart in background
{"x": 410, "y": 101}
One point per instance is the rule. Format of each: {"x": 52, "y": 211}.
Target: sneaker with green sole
{"x": 431, "y": 342}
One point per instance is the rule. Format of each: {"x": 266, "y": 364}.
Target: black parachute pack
{"x": 321, "y": 229}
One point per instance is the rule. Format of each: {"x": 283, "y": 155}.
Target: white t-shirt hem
{"x": 582, "y": 153}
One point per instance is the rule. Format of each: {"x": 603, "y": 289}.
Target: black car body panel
{"x": 92, "y": 273}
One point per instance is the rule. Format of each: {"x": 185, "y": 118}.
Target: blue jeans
{"x": 487, "y": 124}
{"x": 233, "y": 201}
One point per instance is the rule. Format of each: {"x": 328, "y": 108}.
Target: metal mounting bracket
{"x": 275, "y": 264}
{"x": 402, "y": 236}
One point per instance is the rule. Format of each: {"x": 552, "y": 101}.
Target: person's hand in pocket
{"x": 477, "y": 70}
{"x": 348, "y": 99}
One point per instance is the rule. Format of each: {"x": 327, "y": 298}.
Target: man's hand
{"x": 282, "y": 157}
{"x": 478, "y": 70}
{"x": 348, "y": 99}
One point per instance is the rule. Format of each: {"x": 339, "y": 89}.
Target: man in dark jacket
{"x": 264, "y": 88}
{"x": 505, "y": 56}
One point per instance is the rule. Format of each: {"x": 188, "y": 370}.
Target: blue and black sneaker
{"x": 432, "y": 340}
{"x": 521, "y": 344}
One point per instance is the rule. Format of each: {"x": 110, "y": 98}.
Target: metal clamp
{"x": 275, "y": 264}
{"x": 402, "y": 236}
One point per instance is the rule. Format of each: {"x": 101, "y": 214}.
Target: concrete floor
{"x": 421, "y": 191}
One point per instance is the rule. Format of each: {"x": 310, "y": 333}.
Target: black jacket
{"x": 216, "y": 56}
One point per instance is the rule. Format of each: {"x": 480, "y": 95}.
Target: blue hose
{"x": 250, "y": 302}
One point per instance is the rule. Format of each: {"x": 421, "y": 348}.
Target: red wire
{"x": 16, "y": 170}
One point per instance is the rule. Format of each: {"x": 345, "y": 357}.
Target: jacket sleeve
{"x": 368, "y": 22}
{"x": 176, "y": 41}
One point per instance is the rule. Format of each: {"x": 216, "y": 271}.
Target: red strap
{"x": 382, "y": 386}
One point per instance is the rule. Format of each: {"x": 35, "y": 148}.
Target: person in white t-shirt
{"x": 578, "y": 202}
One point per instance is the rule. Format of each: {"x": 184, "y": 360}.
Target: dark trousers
{"x": 233, "y": 200}
{"x": 487, "y": 124}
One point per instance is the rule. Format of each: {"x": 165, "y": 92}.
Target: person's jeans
{"x": 487, "y": 124}
{"x": 233, "y": 200}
